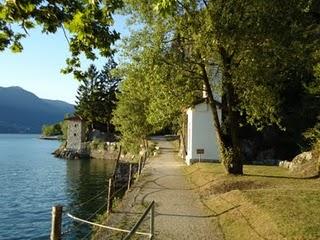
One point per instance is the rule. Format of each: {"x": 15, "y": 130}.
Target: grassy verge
{"x": 265, "y": 203}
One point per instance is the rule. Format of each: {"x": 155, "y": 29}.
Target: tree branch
{"x": 65, "y": 34}
{"x": 24, "y": 28}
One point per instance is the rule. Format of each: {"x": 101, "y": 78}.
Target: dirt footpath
{"x": 179, "y": 212}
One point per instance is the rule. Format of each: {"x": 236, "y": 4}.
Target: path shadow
{"x": 167, "y": 148}
{"x": 179, "y": 215}
{"x": 163, "y": 187}
{"x": 197, "y": 216}
{"x": 283, "y": 177}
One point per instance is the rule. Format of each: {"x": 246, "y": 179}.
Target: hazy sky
{"x": 37, "y": 68}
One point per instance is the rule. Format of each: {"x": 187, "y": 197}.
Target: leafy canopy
{"x": 87, "y": 22}
{"x": 96, "y": 95}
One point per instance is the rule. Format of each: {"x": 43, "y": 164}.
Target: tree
{"x": 96, "y": 97}
{"x": 130, "y": 115}
{"x": 51, "y": 130}
{"x": 260, "y": 47}
{"x": 153, "y": 95}
{"x": 57, "y": 129}
{"x": 87, "y": 22}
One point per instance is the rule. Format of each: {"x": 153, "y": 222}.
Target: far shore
{"x": 58, "y": 137}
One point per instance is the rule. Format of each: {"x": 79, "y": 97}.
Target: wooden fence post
{"x": 56, "y": 222}
{"x": 129, "y": 177}
{"x": 109, "y": 203}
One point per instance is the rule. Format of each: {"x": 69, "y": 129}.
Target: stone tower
{"x": 76, "y": 133}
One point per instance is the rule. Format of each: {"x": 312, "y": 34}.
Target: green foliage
{"x": 263, "y": 50}
{"x": 313, "y": 134}
{"x": 130, "y": 116}
{"x": 86, "y": 22}
{"x": 97, "y": 144}
{"x": 58, "y": 129}
{"x": 153, "y": 95}
{"x": 97, "y": 94}
{"x": 64, "y": 129}
{"x": 52, "y": 130}
{"x": 265, "y": 57}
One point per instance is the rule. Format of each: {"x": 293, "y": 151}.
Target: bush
{"x": 312, "y": 135}
{"x": 52, "y": 130}
{"x": 97, "y": 144}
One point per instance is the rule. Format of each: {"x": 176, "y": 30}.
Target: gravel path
{"x": 179, "y": 212}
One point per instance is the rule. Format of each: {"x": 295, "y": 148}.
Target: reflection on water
{"x": 87, "y": 185}
{"x": 32, "y": 181}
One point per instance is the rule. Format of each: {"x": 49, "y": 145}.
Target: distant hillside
{"x": 23, "y": 112}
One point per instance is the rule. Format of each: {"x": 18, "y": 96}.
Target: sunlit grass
{"x": 265, "y": 203}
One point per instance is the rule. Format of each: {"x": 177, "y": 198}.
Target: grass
{"x": 265, "y": 203}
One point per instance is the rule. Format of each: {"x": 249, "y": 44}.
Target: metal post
{"x": 139, "y": 166}
{"x": 129, "y": 177}
{"x": 152, "y": 223}
{"x": 109, "y": 203}
{"x": 138, "y": 223}
{"x": 145, "y": 158}
{"x": 56, "y": 222}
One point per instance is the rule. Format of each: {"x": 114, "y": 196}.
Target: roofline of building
{"x": 74, "y": 118}
{"x": 205, "y": 100}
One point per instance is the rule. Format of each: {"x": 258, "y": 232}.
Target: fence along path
{"x": 179, "y": 211}
{"x": 57, "y": 210}
{"x": 131, "y": 232}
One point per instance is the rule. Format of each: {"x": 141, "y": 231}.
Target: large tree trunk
{"x": 232, "y": 160}
{"x": 182, "y": 142}
{"x": 229, "y": 145}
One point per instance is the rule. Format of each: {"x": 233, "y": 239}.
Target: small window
{"x": 75, "y": 125}
{"x": 75, "y": 134}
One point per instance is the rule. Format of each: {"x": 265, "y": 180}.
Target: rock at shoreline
{"x": 99, "y": 150}
{"x": 63, "y": 152}
{"x": 70, "y": 154}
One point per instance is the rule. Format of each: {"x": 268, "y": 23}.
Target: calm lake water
{"x": 32, "y": 181}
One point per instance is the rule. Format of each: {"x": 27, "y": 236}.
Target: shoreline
{"x": 50, "y": 137}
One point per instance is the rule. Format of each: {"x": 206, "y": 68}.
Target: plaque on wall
{"x": 200, "y": 151}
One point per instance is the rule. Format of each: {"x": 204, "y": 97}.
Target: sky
{"x": 37, "y": 67}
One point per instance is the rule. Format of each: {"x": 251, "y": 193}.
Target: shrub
{"x": 312, "y": 135}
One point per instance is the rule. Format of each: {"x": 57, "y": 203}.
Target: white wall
{"x": 201, "y": 134}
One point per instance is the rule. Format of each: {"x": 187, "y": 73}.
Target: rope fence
{"x": 104, "y": 226}
{"x": 57, "y": 211}
{"x": 91, "y": 199}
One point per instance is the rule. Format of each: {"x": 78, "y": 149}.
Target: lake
{"x": 32, "y": 181}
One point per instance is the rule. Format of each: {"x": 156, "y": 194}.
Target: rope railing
{"x": 57, "y": 216}
{"x": 118, "y": 191}
{"x": 75, "y": 228}
{"x": 104, "y": 226}
{"x": 91, "y": 199}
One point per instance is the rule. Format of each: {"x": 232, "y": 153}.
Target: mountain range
{"x": 23, "y": 112}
